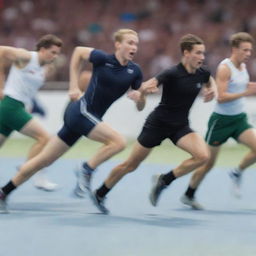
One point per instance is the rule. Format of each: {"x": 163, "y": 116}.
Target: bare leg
{"x": 200, "y": 172}
{"x": 52, "y": 151}
{"x": 2, "y": 139}
{"x": 112, "y": 140}
{"x": 139, "y": 153}
{"x": 191, "y": 143}
{"x": 196, "y": 146}
{"x": 248, "y": 138}
{"x": 34, "y": 130}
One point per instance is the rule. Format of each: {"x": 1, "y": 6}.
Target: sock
{"x": 88, "y": 169}
{"x": 102, "y": 191}
{"x": 190, "y": 192}
{"x": 8, "y": 188}
{"x": 168, "y": 178}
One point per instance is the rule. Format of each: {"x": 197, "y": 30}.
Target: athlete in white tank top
{"x": 27, "y": 74}
{"x": 22, "y": 84}
{"x": 237, "y": 83}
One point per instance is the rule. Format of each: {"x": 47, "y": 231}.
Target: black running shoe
{"x": 157, "y": 188}
{"x": 3, "y": 208}
{"x": 99, "y": 202}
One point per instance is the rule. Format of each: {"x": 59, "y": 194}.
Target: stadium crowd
{"x": 160, "y": 23}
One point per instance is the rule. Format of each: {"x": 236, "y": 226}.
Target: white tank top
{"x": 23, "y": 83}
{"x": 238, "y": 82}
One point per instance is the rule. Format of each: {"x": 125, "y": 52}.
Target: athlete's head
{"x": 193, "y": 50}
{"x": 241, "y": 44}
{"x": 126, "y": 43}
{"x": 49, "y": 47}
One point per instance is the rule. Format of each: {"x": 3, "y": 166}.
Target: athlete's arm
{"x": 18, "y": 56}
{"x": 139, "y": 96}
{"x": 2, "y": 79}
{"x": 79, "y": 55}
{"x": 8, "y": 56}
{"x": 222, "y": 78}
{"x": 209, "y": 90}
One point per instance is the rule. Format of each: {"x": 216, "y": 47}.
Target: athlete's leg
{"x": 112, "y": 140}
{"x": 248, "y": 138}
{"x": 138, "y": 154}
{"x": 189, "y": 197}
{"x": 191, "y": 143}
{"x": 2, "y": 139}
{"x": 195, "y": 145}
{"x": 34, "y": 130}
{"x": 200, "y": 172}
{"x": 51, "y": 152}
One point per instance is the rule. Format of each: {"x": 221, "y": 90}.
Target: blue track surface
{"x": 52, "y": 224}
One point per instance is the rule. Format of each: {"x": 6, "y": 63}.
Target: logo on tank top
{"x": 130, "y": 71}
{"x": 198, "y": 85}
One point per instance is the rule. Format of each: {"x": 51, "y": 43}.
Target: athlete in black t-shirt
{"x": 113, "y": 75}
{"x": 181, "y": 85}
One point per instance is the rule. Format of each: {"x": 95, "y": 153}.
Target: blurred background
{"x": 160, "y": 24}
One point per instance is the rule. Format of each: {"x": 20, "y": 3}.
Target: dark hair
{"x": 188, "y": 41}
{"x": 47, "y": 41}
{"x": 240, "y": 37}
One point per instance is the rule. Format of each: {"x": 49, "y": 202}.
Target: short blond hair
{"x": 240, "y": 37}
{"x": 119, "y": 34}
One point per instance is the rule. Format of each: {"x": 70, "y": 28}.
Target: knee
{"x": 43, "y": 139}
{"x": 119, "y": 143}
{"x": 203, "y": 158}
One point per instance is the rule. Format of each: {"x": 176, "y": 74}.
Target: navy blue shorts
{"x": 155, "y": 131}
{"x": 78, "y": 121}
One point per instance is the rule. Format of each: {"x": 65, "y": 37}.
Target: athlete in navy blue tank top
{"x": 113, "y": 75}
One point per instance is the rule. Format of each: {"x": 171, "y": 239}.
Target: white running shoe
{"x": 43, "y": 183}
{"x": 191, "y": 202}
{"x": 83, "y": 184}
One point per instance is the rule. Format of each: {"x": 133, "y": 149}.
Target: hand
{"x": 149, "y": 87}
{"x": 134, "y": 95}
{"x": 251, "y": 89}
{"x": 74, "y": 94}
{"x": 208, "y": 94}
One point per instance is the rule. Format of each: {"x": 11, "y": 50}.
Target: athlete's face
{"x": 128, "y": 46}
{"x": 48, "y": 55}
{"x": 243, "y": 52}
{"x": 195, "y": 57}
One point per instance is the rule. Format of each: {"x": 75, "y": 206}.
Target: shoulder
{"x": 135, "y": 66}
{"x": 98, "y": 56}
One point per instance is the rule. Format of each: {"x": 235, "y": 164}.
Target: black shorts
{"x": 155, "y": 131}
{"x": 78, "y": 121}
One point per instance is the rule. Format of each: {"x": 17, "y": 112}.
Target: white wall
{"x": 123, "y": 115}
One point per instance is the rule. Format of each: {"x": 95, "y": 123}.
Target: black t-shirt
{"x": 180, "y": 89}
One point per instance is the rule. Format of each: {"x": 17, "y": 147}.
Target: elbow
{"x": 140, "y": 108}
